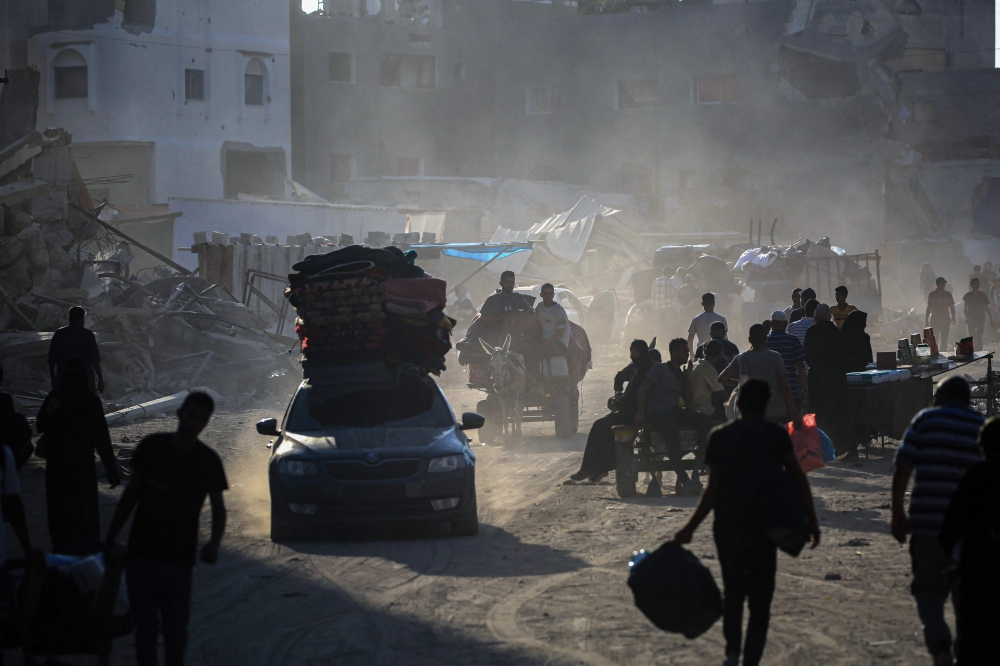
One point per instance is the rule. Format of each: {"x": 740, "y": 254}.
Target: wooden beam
{"x": 149, "y": 250}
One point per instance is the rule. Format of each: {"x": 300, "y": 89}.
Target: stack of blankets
{"x": 358, "y": 305}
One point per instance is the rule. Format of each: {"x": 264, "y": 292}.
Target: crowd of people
{"x": 803, "y": 353}
{"x": 739, "y": 402}
{"x": 171, "y": 475}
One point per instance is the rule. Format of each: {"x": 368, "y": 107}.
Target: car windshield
{"x": 323, "y": 407}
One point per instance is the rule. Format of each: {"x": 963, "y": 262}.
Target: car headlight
{"x": 298, "y": 468}
{"x": 446, "y": 464}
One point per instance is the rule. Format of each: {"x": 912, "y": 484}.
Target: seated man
{"x": 555, "y": 325}
{"x": 729, "y": 350}
{"x": 659, "y": 405}
{"x": 501, "y": 309}
{"x": 708, "y": 394}
{"x": 599, "y": 456}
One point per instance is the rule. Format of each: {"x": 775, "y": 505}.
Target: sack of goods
{"x": 360, "y": 304}
{"x": 676, "y": 591}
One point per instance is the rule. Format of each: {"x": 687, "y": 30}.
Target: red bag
{"x": 807, "y": 445}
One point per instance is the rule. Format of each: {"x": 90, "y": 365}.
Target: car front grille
{"x": 388, "y": 470}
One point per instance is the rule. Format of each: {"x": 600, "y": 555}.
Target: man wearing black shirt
{"x": 798, "y": 313}
{"x": 737, "y": 455}
{"x": 500, "y": 308}
{"x": 172, "y": 474}
{"x": 76, "y": 342}
{"x": 729, "y": 350}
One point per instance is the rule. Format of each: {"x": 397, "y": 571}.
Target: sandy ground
{"x": 543, "y": 583}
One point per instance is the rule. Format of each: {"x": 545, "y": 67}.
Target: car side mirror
{"x": 472, "y": 421}
{"x": 268, "y": 427}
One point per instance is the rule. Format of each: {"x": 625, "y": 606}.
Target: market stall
{"x": 887, "y": 408}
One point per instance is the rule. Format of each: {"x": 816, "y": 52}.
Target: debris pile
{"x": 360, "y": 305}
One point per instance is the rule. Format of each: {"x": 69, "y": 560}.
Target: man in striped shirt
{"x": 792, "y": 354}
{"x": 939, "y": 447}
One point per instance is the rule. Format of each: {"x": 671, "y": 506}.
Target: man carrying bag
{"x": 745, "y": 458}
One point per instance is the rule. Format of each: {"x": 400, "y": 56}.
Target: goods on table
{"x": 359, "y": 304}
{"x": 872, "y": 377}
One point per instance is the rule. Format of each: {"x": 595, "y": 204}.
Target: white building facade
{"x": 197, "y": 106}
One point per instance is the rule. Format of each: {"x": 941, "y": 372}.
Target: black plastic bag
{"x": 784, "y": 512}
{"x": 676, "y": 591}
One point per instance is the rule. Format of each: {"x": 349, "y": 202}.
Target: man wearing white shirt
{"x": 701, "y": 325}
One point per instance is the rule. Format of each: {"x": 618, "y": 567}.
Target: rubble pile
{"x": 361, "y": 305}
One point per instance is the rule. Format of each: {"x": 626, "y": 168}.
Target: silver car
{"x": 363, "y": 453}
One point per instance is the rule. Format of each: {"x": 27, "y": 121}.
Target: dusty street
{"x": 544, "y": 582}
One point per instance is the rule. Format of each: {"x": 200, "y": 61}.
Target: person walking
{"x": 826, "y": 356}
{"x": 939, "y": 448}
{"x": 75, "y": 342}
{"x": 940, "y": 313}
{"x": 739, "y": 456}
{"x": 971, "y": 534}
{"x": 842, "y": 309}
{"x": 977, "y": 309}
{"x": 599, "y": 455}
{"x": 794, "y": 356}
{"x": 701, "y": 325}
{"x": 799, "y": 328}
{"x": 72, "y": 423}
{"x": 762, "y": 363}
{"x": 172, "y": 474}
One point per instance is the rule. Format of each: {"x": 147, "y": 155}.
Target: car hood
{"x": 370, "y": 438}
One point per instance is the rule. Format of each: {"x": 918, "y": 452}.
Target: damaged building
{"x": 163, "y": 97}
{"x": 825, "y": 115}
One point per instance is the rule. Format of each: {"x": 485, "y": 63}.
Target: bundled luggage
{"x": 360, "y": 305}
{"x": 676, "y": 591}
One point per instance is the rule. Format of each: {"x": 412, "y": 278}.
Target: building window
{"x": 408, "y": 71}
{"x": 716, "y": 89}
{"x": 341, "y": 70}
{"x": 638, "y": 94}
{"x": 408, "y": 166}
{"x": 255, "y": 83}
{"x": 925, "y": 112}
{"x": 341, "y": 167}
{"x": 194, "y": 85}
{"x": 544, "y": 100}
{"x": 70, "y": 72}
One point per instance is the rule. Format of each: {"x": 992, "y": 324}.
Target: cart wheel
{"x": 626, "y": 469}
{"x": 564, "y": 416}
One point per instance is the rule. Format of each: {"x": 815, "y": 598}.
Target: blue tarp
{"x": 478, "y": 251}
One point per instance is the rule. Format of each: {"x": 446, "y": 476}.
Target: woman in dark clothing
{"x": 72, "y": 420}
{"x": 972, "y": 523}
{"x": 826, "y": 356}
{"x": 599, "y": 456}
{"x": 857, "y": 343}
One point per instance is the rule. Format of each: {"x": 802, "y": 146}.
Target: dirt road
{"x": 543, "y": 583}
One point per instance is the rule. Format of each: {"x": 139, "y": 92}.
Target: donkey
{"x": 508, "y": 377}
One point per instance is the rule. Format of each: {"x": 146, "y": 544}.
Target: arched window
{"x": 70, "y": 71}
{"x": 634, "y": 178}
{"x": 255, "y": 91}
{"x": 544, "y": 173}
